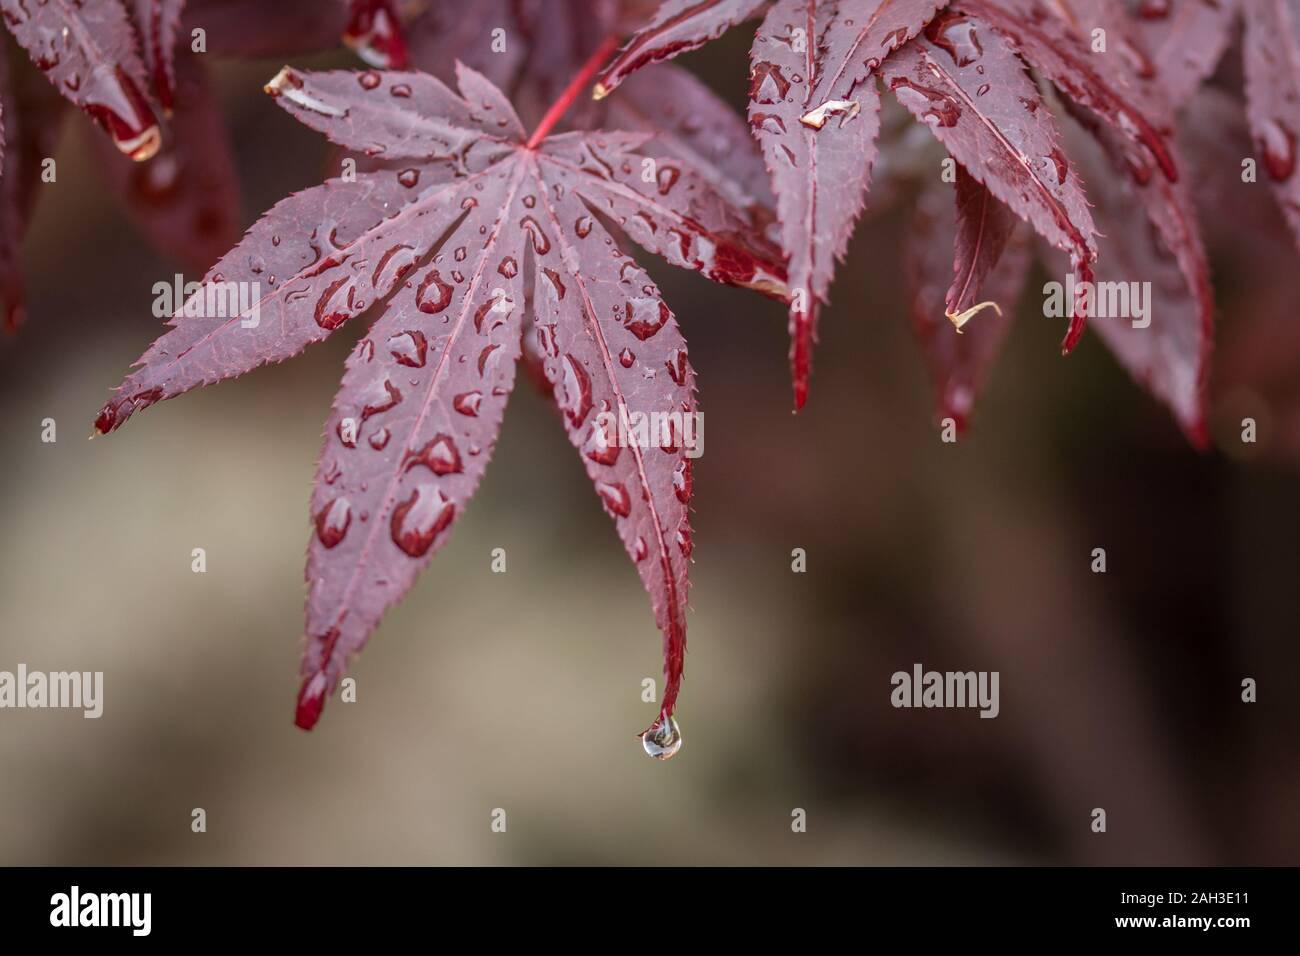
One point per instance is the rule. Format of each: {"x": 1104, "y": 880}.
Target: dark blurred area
{"x": 522, "y": 690}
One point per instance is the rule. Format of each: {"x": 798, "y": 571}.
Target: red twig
{"x": 583, "y": 77}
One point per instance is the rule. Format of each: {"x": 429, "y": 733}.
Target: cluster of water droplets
{"x": 425, "y": 511}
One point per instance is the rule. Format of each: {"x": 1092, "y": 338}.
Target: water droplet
{"x": 626, "y": 358}
{"x": 541, "y": 244}
{"x": 401, "y": 258}
{"x": 410, "y": 178}
{"x": 599, "y": 447}
{"x": 368, "y": 80}
{"x": 467, "y": 403}
{"x": 439, "y": 454}
{"x": 437, "y": 300}
{"x": 508, "y": 268}
{"x": 934, "y": 107}
{"x": 419, "y": 519}
{"x": 677, "y": 366}
{"x": 667, "y": 178}
{"x": 332, "y": 309}
{"x": 332, "y": 522}
{"x": 767, "y": 85}
{"x": 576, "y": 401}
{"x": 1279, "y": 147}
{"x": 615, "y": 497}
{"x": 645, "y": 317}
{"x": 663, "y": 739}
{"x": 546, "y": 340}
{"x": 556, "y": 283}
{"x": 954, "y": 33}
{"x": 400, "y": 90}
{"x": 1057, "y": 159}
{"x": 767, "y": 122}
{"x": 409, "y": 348}
{"x": 582, "y": 227}
{"x": 380, "y": 397}
{"x": 894, "y": 39}
{"x": 682, "y": 481}
{"x": 499, "y": 302}
{"x": 684, "y": 542}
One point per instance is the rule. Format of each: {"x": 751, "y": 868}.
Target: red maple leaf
{"x": 475, "y": 220}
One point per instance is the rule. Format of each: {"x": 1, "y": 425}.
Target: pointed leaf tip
{"x": 311, "y": 701}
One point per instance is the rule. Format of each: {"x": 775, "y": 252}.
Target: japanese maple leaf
{"x": 30, "y": 112}
{"x": 374, "y": 31}
{"x": 1152, "y": 237}
{"x": 164, "y": 153}
{"x": 176, "y": 181}
{"x": 157, "y": 23}
{"x": 1169, "y": 353}
{"x": 1184, "y": 40}
{"x": 961, "y": 79}
{"x": 675, "y": 27}
{"x": 532, "y": 50}
{"x": 987, "y": 252}
{"x": 478, "y": 220}
{"x": 816, "y": 118}
{"x": 814, "y": 106}
{"x": 88, "y": 51}
{"x": 1272, "y": 48}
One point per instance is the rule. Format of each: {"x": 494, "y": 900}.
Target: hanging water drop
{"x": 663, "y": 739}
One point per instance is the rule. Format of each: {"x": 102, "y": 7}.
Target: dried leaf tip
{"x": 599, "y": 91}
{"x": 285, "y": 78}
{"x": 958, "y": 319}
{"x": 288, "y": 83}
{"x": 143, "y": 147}
{"x": 816, "y": 118}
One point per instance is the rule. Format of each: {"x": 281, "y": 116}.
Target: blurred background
{"x": 522, "y": 690}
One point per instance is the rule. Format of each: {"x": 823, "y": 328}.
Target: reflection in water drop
{"x": 663, "y": 739}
